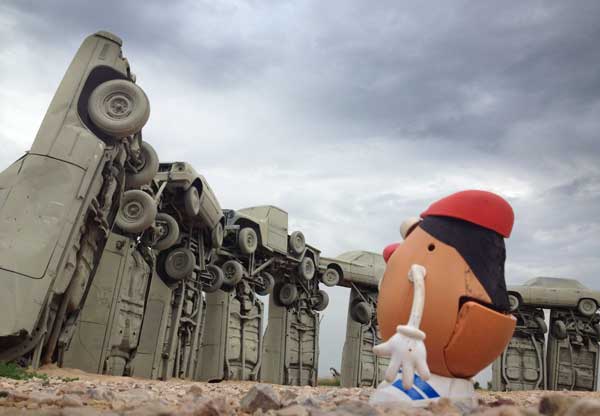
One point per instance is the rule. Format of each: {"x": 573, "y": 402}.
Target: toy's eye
{"x": 408, "y": 226}
{"x": 389, "y": 250}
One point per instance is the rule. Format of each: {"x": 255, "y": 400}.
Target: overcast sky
{"x": 352, "y": 116}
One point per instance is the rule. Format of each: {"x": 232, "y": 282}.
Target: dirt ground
{"x": 73, "y": 392}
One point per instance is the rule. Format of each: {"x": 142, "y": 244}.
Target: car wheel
{"x": 268, "y": 283}
{"x": 217, "y": 278}
{"x": 119, "y": 108}
{"x": 513, "y": 302}
{"x": 146, "y": 169}
{"x": 168, "y": 231}
{"x": 330, "y": 277}
{"x": 322, "y": 301}
{"x": 306, "y": 268}
{"x": 297, "y": 242}
{"x": 179, "y": 263}
{"x": 191, "y": 201}
{"x": 136, "y": 212}
{"x": 541, "y": 323}
{"x": 233, "y": 271}
{"x": 597, "y": 331}
{"x": 361, "y": 312}
{"x": 216, "y": 236}
{"x": 248, "y": 240}
{"x": 587, "y": 307}
{"x": 287, "y": 294}
{"x": 559, "y": 330}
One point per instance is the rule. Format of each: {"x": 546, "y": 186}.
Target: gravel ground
{"x": 102, "y": 395}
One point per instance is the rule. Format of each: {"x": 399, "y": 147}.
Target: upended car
{"x": 189, "y": 229}
{"x": 59, "y": 202}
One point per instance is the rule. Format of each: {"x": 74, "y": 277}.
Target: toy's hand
{"x": 406, "y": 348}
{"x": 407, "y": 353}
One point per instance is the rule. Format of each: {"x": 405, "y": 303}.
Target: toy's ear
{"x": 389, "y": 250}
{"x": 480, "y": 336}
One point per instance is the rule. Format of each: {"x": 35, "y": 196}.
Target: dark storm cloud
{"x": 450, "y": 71}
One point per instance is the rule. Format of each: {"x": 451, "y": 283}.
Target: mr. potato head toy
{"x": 443, "y": 306}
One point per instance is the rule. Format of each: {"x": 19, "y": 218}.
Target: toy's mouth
{"x": 464, "y": 299}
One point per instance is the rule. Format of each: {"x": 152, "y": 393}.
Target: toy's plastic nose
{"x": 389, "y": 250}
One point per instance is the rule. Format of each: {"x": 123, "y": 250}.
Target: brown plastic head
{"x": 448, "y": 279}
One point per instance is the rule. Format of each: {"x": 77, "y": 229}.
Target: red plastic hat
{"x": 479, "y": 207}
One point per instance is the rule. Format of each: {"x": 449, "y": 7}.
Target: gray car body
{"x": 363, "y": 268}
{"x": 47, "y": 198}
{"x": 271, "y": 224}
{"x": 553, "y": 292}
{"x": 181, "y": 176}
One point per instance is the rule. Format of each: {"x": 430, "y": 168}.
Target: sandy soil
{"x": 74, "y": 392}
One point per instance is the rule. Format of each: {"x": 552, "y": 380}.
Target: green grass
{"x": 12, "y": 370}
{"x": 328, "y": 382}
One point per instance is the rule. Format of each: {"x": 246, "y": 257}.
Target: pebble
{"x": 70, "y": 400}
{"x": 261, "y": 396}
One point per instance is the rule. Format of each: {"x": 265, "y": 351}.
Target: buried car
{"x": 59, "y": 202}
{"x": 189, "y": 228}
{"x": 552, "y": 292}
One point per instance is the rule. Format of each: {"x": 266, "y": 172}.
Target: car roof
{"x": 555, "y": 282}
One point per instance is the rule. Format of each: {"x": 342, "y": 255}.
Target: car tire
{"x": 233, "y": 273}
{"x": 268, "y": 283}
{"x": 541, "y": 323}
{"x": 191, "y": 200}
{"x": 513, "y": 302}
{"x": 217, "y": 278}
{"x": 559, "y": 330}
{"x": 330, "y": 277}
{"x": 179, "y": 263}
{"x": 322, "y": 301}
{"x": 287, "y": 294}
{"x": 137, "y": 212}
{"x": 306, "y": 268}
{"x": 587, "y": 307}
{"x": 119, "y": 108}
{"x": 297, "y": 242}
{"x": 361, "y": 312}
{"x": 597, "y": 332}
{"x": 168, "y": 231}
{"x": 216, "y": 236}
{"x": 248, "y": 240}
{"x": 146, "y": 170}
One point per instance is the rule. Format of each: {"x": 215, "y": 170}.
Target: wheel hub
{"x": 118, "y": 105}
{"x": 133, "y": 210}
{"x": 179, "y": 261}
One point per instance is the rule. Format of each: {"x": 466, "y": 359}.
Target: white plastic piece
{"x": 406, "y": 348}
{"x": 459, "y": 390}
{"x": 408, "y": 225}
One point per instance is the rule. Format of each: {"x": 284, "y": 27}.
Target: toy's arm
{"x": 406, "y": 348}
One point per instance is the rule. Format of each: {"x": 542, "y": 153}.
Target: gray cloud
{"x": 352, "y": 116}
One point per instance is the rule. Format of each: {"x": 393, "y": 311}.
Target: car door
{"x": 362, "y": 268}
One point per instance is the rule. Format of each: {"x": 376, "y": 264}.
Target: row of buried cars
{"x": 558, "y": 351}
{"x": 115, "y": 263}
